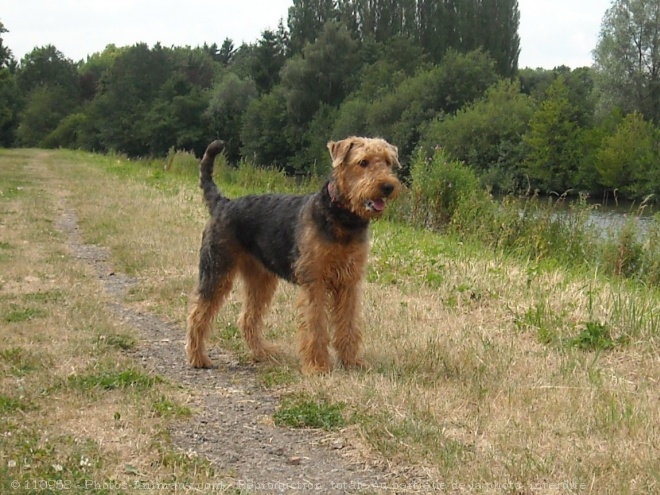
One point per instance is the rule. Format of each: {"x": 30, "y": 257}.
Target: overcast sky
{"x": 552, "y": 32}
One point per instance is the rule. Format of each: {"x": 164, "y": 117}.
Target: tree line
{"x": 423, "y": 74}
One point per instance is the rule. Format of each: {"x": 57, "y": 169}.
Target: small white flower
{"x": 84, "y": 461}
{"x": 57, "y": 467}
{"x": 11, "y": 464}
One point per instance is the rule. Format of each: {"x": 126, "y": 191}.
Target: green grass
{"x": 113, "y": 379}
{"x": 421, "y": 436}
{"x": 21, "y": 362}
{"x": 165, "y": 407}
{"x": 125, "y": 342}
{"x": 17, "y": 314}
{"x": 277, "y": 375}
{"x": 11, "y": 405}
{"x": 596, "y": 336}
{"x": 46, "y": 296}
{"x": 307, "y": 412}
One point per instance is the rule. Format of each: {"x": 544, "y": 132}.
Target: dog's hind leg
{"x": 216, "y": 275}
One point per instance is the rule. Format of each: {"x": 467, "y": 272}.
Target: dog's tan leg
{"x": 259, "y": 288}
{"x": 345, "y": 315}
{"x": 313, "y": 337}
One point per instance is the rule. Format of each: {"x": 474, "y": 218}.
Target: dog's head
{"x": 363, "y": 174}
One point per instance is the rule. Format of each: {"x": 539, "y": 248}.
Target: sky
{"x": 552, "y": 32}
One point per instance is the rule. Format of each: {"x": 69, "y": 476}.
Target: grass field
{"x": 490, "y": 373}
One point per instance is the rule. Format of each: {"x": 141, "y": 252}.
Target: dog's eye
{"x": 364, "y": 163}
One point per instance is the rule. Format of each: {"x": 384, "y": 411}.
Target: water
{"x": 611, "y": 217}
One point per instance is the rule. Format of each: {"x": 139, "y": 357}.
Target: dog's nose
{"x": 387, "y": 189}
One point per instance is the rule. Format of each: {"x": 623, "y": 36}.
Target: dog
{"x": 318, "y": 241}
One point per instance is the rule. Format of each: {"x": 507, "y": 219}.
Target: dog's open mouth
{"x": 377, "y": 205}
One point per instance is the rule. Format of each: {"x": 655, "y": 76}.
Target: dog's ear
{"x": 339, "y": 150}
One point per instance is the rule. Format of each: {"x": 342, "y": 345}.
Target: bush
{"x": 446, "y": 193}
{"x": 487, "y": 135}
{"x": 76, "y": 131}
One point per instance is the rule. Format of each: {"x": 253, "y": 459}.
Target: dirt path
{"x": 232, "y": 425}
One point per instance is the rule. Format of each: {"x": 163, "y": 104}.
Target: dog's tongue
{"x": 379, "y": 204}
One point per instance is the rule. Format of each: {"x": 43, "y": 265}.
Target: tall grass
{"x": 445, "y": 195}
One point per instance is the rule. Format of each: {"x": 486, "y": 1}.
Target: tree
{"x": 47, "y": 66}
{"x": 126, "y": 93}
{"x": 627, "y": 58}
{"x": 226, "y": 52}
{"x": 496, "y": 32}
{"x": 9, "y": 95}
{"x": 5, "y": 53}
{"x": 46, "y": 106}
{"x": 230, "y": 98}
{"x": 265, "y": 132}
{"x": 175, "y": 119}
{"x": 49, "y": 85}
{"x": 487, "y": 135}
{"x": 322, "y": 74}
{"x": 628, "y": 159}
{"x": 554, "y": 141}
{"x": 93, "y": 68}
{"x": 400, "y": 113}
{"x": 306, "y": 21}
{"x": 269, "y": 56}
{"x": 466, "y": 25}
{"x": 9, "y": 107}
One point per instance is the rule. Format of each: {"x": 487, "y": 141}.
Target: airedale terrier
{"x": 318, "y": 241}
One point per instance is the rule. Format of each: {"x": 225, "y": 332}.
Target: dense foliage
{"x": 423, "y": 74}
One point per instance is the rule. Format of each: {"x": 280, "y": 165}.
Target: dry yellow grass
{"x": 476, "y": 377}
{"x": 58, "y": 341}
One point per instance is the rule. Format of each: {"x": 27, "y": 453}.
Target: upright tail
{"x": 212, "y": 195}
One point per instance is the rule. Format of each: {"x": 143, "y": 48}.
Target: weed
{"x": 544, "y": 320}
{"x": 277, "y": 375}
{"x": 122, "y": 341}
{"x": 46, "y": 296}
{"x": 596, "y": 336}
{"x": 9, "y": 405}
{"x": 623, "y": 253}
{"x": 306, "y": 412}
{"x": 445, "y": 191}
{"x": 18, "y": 314}
{"x": 12, "y": 188}
{"x": 20, "y": 361}
{"x": 166, "y": 408}
{"x": 230, "y": 335}
{"x": 113, "y": 379}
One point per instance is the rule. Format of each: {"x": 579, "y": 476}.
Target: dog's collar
{"x": 339, "y": 211}
{"x": 334, "y": 200}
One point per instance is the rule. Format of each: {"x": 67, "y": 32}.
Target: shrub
{"x": 446, "y": 193}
